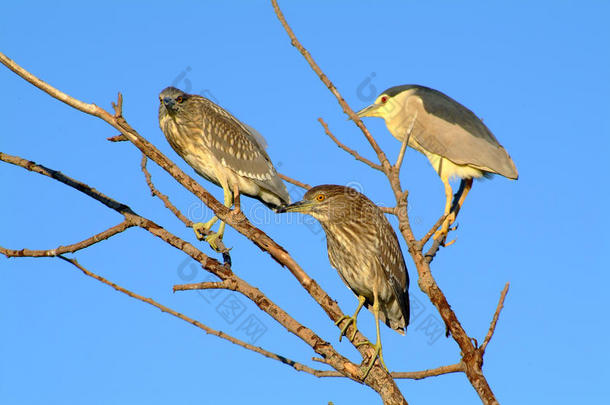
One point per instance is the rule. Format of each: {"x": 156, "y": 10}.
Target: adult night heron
{"x": 223, "y": 150}
{"x": 364, "y": 249}
{"x": 453, "y": 138}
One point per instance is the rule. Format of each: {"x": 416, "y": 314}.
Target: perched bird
{"x": 364, "y": 249}
{"x": 453, "y": 138}
{"x": 223, "y": 150}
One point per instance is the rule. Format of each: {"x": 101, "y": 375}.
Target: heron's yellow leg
{"x": 467, "y": 185}
{"x": 351, "y": 319}
{"x": 442, "y": 232}
{"x": 377, "y": 345}
{"x": 202, "y": 228}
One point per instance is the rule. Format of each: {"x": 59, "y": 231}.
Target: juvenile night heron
{"x": 364, "y": 249}
{"x": 223, "y": 150}
{"x": 453, "y": 138}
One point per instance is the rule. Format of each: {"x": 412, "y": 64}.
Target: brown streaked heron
{"x": 453, "y": 138}
{"x": 364, "y": 248}
{"x": 221, "y": 149}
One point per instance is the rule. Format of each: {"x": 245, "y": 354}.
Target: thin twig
{"x": 427, "y": 236}
{"x": 293, "y": 181}
{"x": 108, "y": 233}
{"x": 163, "y": 197}
{"x": 118, "y": 138}
{"x": 297, "y": 366}
{"x": 155, "y": 192}
{"x": 314, "y": 66}
{"x": 494, "y": 321}
{"x": 387, "y": 210}
{"x": 404, "y": 145}
{"x": 348, "y": 149}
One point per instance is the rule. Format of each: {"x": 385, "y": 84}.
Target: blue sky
{"x": 537, "y": 73}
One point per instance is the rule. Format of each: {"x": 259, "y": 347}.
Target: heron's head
{"x": 330, "y": 203}
{"x": 387, "y": 104}
{"x": 172, "y": 100}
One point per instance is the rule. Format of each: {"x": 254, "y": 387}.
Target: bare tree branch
{"x": 405, "y": 143}
{"x": 314, "y": 66}
{"x": 429, "y": 234}
{"x": 492, "y": 326}
{"x": 162, "y": 196}
{"x": 297, "y": 366}
{"x": 293, "y": 181}
{"x": 349, "y": 150}
{"x": 108, "y": 233}
{"x": 407, "y": 375}
{"x": 206, "y": 285}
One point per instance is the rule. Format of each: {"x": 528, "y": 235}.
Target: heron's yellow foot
{"x": 202, "y": 229}
{"x": 212, "y": 239}
{"x": 378, "y": 353}
{"x": 445, "y": 228}
{"x": 350, "y": 320}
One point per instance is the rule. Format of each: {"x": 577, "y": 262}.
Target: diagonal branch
{"x": 314, "y": 66}
{"x": 349, "y": 150}
{"x": 293, "y": 181}
{"x": 297, "y": 366}
{"x": 206, "y": 285}
{"x": 155, "y": 192}
{"x": 492, "y": 326}
{"x": 429, "y": 234}
{"x": 108, "y": 233}
{"x": 163, "y": 197}
{"x": 405, "y": 143}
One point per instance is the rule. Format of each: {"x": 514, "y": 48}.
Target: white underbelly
{"x": 446, "y": 169}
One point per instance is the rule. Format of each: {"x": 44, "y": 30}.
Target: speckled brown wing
{"x": 392, "y": 263}
{"x": 232, "y": 143}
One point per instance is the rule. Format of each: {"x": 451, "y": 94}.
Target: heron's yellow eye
{"x": 179, "y": 99}
{"x": 384, "y": 99}
{"x": 320, "y": 197}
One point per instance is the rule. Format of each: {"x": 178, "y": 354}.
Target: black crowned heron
{"x": 364, "y": 249}
{"x": 453, "y": 138}
{"x": 223, "y": 150}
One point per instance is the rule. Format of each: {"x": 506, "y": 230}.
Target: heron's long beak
{"x": 299, "y": 206}
{"x": 368, "y": 111}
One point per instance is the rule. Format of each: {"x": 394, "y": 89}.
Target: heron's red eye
{"x": 320, "y": 197}
{"x": 179, "y": 99}
{"x": 384, "y": 99}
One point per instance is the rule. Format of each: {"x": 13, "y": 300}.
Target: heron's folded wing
{"x": 393, "y": 264}
{"x": 446, "y": 128}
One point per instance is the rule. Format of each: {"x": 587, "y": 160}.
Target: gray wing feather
{"x": 447, "y": 128}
